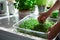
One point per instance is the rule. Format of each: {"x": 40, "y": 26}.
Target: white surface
{"x": 6, "y": 16}
{"x": 21, "y": 34}
{"x": 2, "y": 0}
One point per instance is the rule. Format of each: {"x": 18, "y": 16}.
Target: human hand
{"x": 53, "y": 31}
{"x": 51, "y": 34}
{"x": 43, "y": 16}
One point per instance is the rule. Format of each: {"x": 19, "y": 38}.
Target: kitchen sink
{"x": 4, "y": 35}
{"x": 5, "y": 23}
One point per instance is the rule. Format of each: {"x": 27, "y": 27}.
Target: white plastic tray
{"x": 31, "y": 32}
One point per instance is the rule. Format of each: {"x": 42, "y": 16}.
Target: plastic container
{"x": 30, "y": 32}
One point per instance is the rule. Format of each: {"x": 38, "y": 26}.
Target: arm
{"x": 56, "y": 6}
{"x": 45, "y": 15}
{"x": 54, "y": 30}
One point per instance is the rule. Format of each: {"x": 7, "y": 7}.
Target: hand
{"x": 51, "y": 34}
{"x": 54, "y": 31}
{"x": 43, "y": 16}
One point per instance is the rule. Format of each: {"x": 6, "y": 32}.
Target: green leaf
{"x": 41, "y": 2}
{"x": 25, "y": 4}
{"x": 55, "y": 14}
{"x": 33, "y": 24}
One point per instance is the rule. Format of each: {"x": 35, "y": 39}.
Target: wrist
{"x": 58, "y": 0}
{"x": 48, "y": 13}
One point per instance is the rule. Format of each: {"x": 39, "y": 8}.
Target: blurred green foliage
{"x": 55, "y": 14}
{"x": 33, "y": 24}
{"x": 41, "y": 2}
{"x": 25, "y": 4}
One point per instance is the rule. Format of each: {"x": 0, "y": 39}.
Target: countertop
{"x": 21, "y": 34}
